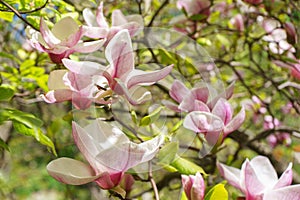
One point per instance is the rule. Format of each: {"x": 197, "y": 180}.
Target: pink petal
{"x": 178, "y": 91}
{"x": 135, "y": 95}
{"x": 253, "y": 183}
{"x": 119, "y": 54}
{"x": 89, "y": 17}
{"x": 198, "y": 188}
{"x": 109, "y": 181}
{"x": 118, "y": 18}
{"x": 286, "y": 193}
{"x": 95, "y": 32}
{"x": 200, "y": 106}
{"x": 71, "y": 171}
{"x": 235, "y": 123}
{"x": 84, "y": 67}
{"x": 203, "y": 122}
{"x": 187, "y": 184}
{"x": 231, "y": 174}
{"x": 47, "y": 35}
{"x": 133, "y": 28}
{"x": 286, "y": 178}
{"x": 264, "y": 170}
{"x": 136, "y": 77}
{"x": 201, "y": 94}
{"x": 55, "y": 80}
{"x": 270, "y": 24}
{"x": 223, "y": 110}
{"x": 56, "y": 96}
{"x": 171, "y": 105}
{"x": 226, "y": 94}
{"x": 67, "y": 31}
{"x": 100, "y": 17}
{"x": 88, "y": 47}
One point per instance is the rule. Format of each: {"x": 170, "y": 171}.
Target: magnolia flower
{"x": 97, "y": 26}
{"x": 109, "y": 153}
{"x": 120, "y": 76}
{"x": 258, "y": 180}
{"x": 215, "y": 124}
{"x": 196, "y": 99}
{"x": 62, "y": 40}
{"x": 193, "y": 7}
{"x": 193, "y": 186}
{"x": 277, "y": 37}
{"x": 238, "y": 22}
{"x": 80, "y": 88}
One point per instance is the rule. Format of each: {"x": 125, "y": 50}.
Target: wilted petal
{"x": 119, "y": 54}
{"x": 136, "y": 77}
{"x": 83, "y": 67}
{"x": 286, "y": 193}
{"x": 235, "y": 123}
{"x": 286, "y": 178}
{"x": 71, "y": 171}
{"x": 88, "y": 47}
{"x": 231, "y": 174}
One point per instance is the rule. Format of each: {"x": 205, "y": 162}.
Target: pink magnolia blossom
{"x": 80, "y": 88}
{"x": 277, "y": 37}
{"x": 120, "y": 76}
{"x": 238, "y": 22}
{"x": 193, "y": 186}
{"x": 109, "y": 153}
{"x": 196, "y": 99}
{"x": 63, "y": 40}
{"x": 97, "y": 26}
{"x": 215, "y": 124}
{"x": 193, "y": 7}
{"x": 294, "y": 67}
{"x": 292, "y": 36}
{"x": 258, "y": 180}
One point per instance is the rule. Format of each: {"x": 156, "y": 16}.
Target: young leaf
{"x": 187, "y": 167}
{"x": 168, "y": 153}
{"x": 4, "y": 145}
{"x": 36, "y": 133}
{"x": 25, "y": 118}
{"x": 145, "y": 121}
{"x": 217, "y": 192}
{"x": 6, "y": 93}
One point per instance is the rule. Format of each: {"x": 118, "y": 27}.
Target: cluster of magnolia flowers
{"x": 107, "y": 149}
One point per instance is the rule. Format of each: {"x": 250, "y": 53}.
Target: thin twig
{"x": 155, "y": 190}
{"x": 29, "y": 11}
{"x": 18, "y": 14}
{"x": 157, "y": 12}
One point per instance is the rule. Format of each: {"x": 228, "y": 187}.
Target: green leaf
{"x": 187, "y": 167}
{"x": 36, "y": 133}
{"x": 168, "y": 153}
{"x": 8, "y": 16}
{"x": 177, "y": 126}
{"x": 217, "y": 192}
{"x": 198, "y": 17}
{"x": 25, "y": 118}
{"x": 145, "y": 121}
{"x": 6, "y": 93}
{"x": 4, "y": 145}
